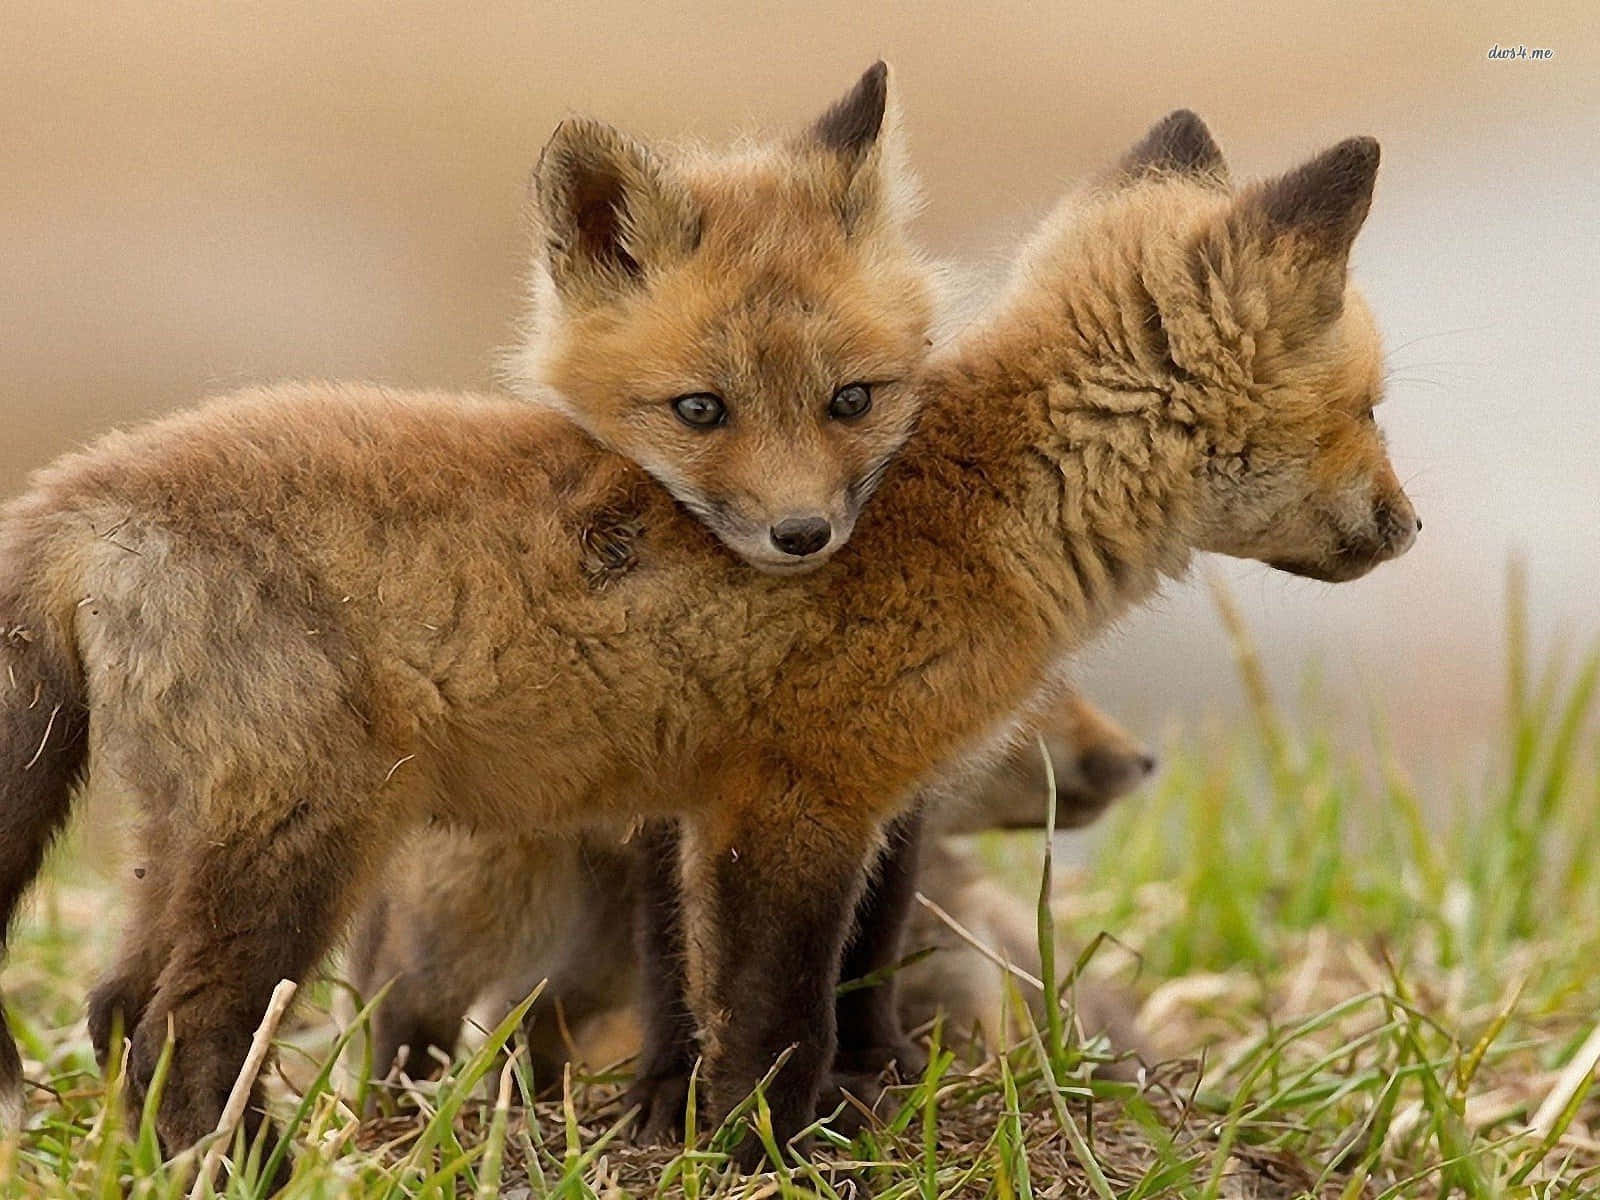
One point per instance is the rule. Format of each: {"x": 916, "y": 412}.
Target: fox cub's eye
{"x": 850, "y": 401}
{"x": 701, "y": 410}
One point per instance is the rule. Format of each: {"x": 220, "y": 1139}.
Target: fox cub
{"x": 741, "y": 323}
{"x": 1176, "y": 366}
{"x": 463, "y": 921}
{"x": 1095, "y": 762}
{"x": 301, "y": 621}
{"x": 737, "y": 324}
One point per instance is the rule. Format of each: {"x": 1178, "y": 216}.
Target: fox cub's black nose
{"x": 801, "y": 535}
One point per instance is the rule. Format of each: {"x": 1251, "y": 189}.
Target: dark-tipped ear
{"x": 1178, "y": 144}
{"x": 607, "y": 210}
{"x": 864, "y": 159}
{"x": 851, "y": 127}
{"x": 1324, "y": 201}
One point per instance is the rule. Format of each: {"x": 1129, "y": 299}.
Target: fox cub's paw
{"x": 856, "y": 1090}
{"x": 662, "y": 1101}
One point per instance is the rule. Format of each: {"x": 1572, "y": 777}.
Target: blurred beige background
{"x": 194, "y": 196}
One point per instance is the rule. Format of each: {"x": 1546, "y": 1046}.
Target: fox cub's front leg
{"x": 870, "y": 1033}
{"x": 769, "y": 890}
{"x": 872, "y": 1036}
{"x": 666, "y": 1060}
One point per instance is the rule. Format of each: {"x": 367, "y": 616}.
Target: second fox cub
{"x": 300, "y": 622}
{"x": 737, "y": 324}
{"x": 463, "y": 920}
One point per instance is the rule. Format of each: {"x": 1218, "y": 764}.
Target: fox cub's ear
{"x": 1325, "y": 201}
{"x": 1178, "y": 144}
{"x": 1312, "y": 215}
{"x": 851, "y": 127}
{"x": 608, "y": 210}
{"x": 861, "y": 137}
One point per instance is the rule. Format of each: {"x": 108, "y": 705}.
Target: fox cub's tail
{"x": 44, "y": 723}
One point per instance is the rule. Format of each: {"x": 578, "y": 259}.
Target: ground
{"x": 1365, "y": 992}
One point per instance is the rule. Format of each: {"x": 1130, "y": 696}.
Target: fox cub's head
{"x": 1268, "y": 356}
{"x": 739, "y": 324}
{"x": 1093, "y": 761}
